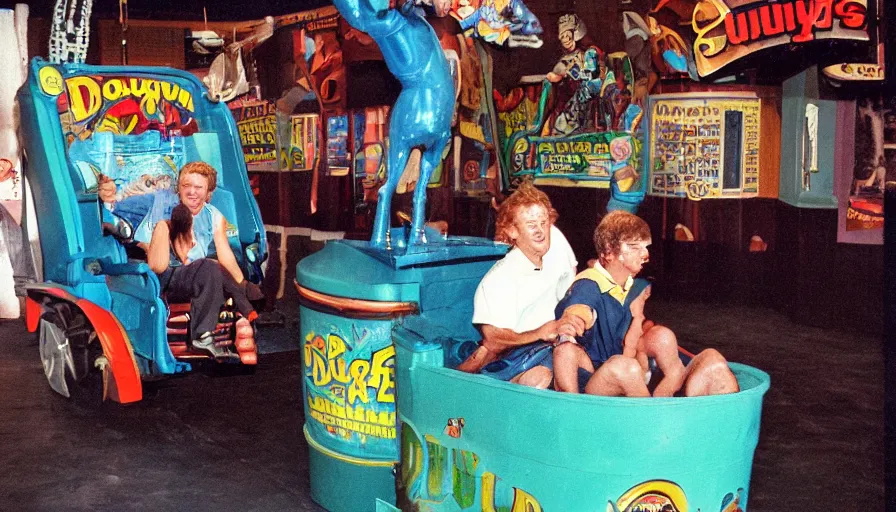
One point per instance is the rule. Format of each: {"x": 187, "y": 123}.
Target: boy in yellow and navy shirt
{"x": 611, "y": 356}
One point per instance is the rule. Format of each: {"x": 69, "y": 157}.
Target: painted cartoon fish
{"x": 498, "y": 22}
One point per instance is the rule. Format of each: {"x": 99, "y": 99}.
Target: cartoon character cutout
{"x": 581, "y": 74}
{"x": 455, "y": 427}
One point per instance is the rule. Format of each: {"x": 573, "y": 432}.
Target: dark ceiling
{"x": 183, "y": 9}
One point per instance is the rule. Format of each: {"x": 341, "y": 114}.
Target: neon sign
{"x": 725, "y": 33}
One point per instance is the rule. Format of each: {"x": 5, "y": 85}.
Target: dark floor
{"x": 204, "y": 442}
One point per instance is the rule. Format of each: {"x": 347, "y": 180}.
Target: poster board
{"x": 303, "y": 142}
{"x": 587, "y": 159}
{"x": 704, "y": 145}
{"x": 865, "y": 167}
{"x": 338, "y": 157}
{"x": 257, "y": 125}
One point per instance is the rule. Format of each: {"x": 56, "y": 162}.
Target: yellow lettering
{"x": 84, "y": 97}
{"x": 185, "y": 99}
{"x": 112, "y": 90}
{"x": 357, "y": 389}
{"x": 335, "y": 409}
{"x": 150, "y": 101}
{"x": 337, "y": 370}
{"x": 351, "y": 419}
{"x": 582, "y": 146}
{"x": 545, "y": 148}
{"x": 354, "y": 413}
{"x": 320, "y": 373}
{"x": 141, "y": 88}
{"x": 170, "y": 91}
{"x": 488, "y": 492}
{"x": 524, "y": 502}
{"x": 335, "y": 345}
{"x": 382, "y": 376}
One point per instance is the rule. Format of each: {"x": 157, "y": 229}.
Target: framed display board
{"x": 704, "y": 145}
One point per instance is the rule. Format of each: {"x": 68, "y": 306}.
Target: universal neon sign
{"x": 725, "y": 33}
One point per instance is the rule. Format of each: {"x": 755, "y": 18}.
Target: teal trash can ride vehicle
{"x": 381, "y": 344}
{"x": 102, "y": 324}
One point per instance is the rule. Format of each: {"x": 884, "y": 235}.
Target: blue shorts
{"x": 520, "y": 359}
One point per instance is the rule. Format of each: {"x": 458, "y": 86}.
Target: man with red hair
{"x": 514, "y": 303}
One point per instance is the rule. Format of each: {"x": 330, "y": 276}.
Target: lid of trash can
{"x": 354, "y": 269}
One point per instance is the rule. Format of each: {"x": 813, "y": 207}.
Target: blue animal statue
{"x": 421, "y": 116}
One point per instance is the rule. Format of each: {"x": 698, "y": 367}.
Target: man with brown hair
{"x": 618, "y": 340}
{"x": 514, "y": 303}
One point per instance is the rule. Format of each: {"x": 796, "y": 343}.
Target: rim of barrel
{"x": 763, "y": 382}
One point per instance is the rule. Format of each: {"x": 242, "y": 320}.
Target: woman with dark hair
{"x": 180, "y": 230}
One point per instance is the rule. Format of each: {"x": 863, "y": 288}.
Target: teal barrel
{"x": 469, "y": 442}
{"x": 352, "y": 297}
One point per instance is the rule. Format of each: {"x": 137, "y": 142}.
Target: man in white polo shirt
{"x": 514, "y": 303}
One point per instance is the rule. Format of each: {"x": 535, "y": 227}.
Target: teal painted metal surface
{"x": 348, "y": 356}
{"x": 341, "y": 486}
{"x": 61, "y": 104}
{"x": 814, "y": 189}
{"x": 348, "y": 268}
{"x": 516, "y": 448}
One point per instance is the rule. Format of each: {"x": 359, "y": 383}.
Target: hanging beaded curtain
{"x": 70, "y": 31}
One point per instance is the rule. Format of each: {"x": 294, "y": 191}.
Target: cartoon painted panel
{"x": 349, "y": 384}
{"x": 134, "y": 165}
{"x": 594, "y": 89}
{"x": 588, "y": 158}
{"x": 474, "y": 160}
{"x": 338, "y": 157}
{"x": 122, "y": 105}
{"x": 704, "y": 147}
{"x": 517, "y": 111}
{"x": 369, "y": 150}
{"x": 652, "y": 496}
{"x": 125, "y": 134}
{"x": 498, "y": 22}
